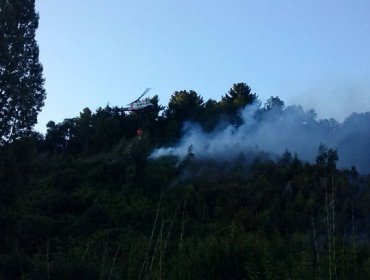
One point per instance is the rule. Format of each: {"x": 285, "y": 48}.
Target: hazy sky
{"x": 95, "y": 52}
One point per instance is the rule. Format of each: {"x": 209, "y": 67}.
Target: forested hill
{"x": 217, "y": 129}
{"x": 117, "y": 195}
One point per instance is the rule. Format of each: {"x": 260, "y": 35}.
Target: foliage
{"x": 116, "y": 215}
{"x": 87, "y": 202}
{"x": 21, "y": 82}
{"x": 239, "y": 96}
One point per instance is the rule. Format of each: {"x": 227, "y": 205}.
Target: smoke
{"x": 276, "y": 131}
{"x": 333, "y": 96}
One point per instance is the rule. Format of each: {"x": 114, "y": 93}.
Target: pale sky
{"x": 95, "y": 52}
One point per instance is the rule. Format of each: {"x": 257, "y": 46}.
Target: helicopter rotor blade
{"x": 145, "y": 92}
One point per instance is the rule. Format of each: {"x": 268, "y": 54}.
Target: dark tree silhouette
{"x": 274, "y": 103}
{"x": 185, "y": 105}
{"x": 239, "y": 96}
{"x": 21, "y": 83}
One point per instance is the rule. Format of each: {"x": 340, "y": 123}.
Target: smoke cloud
{"x": 332, "y": 96}
{"x": 274, "y": 132}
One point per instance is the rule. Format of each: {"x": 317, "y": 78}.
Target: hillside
{"x": 116, "y": 195}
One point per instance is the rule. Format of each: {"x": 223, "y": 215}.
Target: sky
{"x": 312, "y": 53}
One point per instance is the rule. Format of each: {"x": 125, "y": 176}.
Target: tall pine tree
{"x": 21, "y": 82}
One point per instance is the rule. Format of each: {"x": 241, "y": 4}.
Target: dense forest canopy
{"x": 191, "y": 195}
{"x": 218, "y": 129}
{"x": 228, "y": 189}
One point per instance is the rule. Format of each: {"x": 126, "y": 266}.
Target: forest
{"x": 86, "y": 201}
{"x": 177, "y": 191}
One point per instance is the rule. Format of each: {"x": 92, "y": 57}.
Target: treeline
{"x": 85, "y": 202}
{"x": 94, "y": 132}
{"x": 97, "y": 131}
{"x": 271, "y": 126}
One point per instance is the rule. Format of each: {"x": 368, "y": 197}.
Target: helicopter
{"x": 139, "y": 104}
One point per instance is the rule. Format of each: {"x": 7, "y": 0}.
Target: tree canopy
{"x": 239, "y": 96}
{"x": 21, "y": 82}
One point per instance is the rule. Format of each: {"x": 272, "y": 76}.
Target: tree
{"x": 272, "y": 109}
{"x": 274, "y": 103}
{"x": 21, "y": 83}
{"x": 239, "y": 96}
{"x": 327, "y": 158}
{"x": 84, "y": 130}
{"x": 212, "y": 113}
{"x": 185, "y": 106}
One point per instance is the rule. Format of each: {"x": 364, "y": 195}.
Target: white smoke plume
{"x": 277, "y": 131}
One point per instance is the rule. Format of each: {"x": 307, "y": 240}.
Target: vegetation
{"x": 85, "y": 201}
{"x": 21, "y": 82}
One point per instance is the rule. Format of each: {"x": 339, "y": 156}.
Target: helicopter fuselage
{"x": 141, "y": 104}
